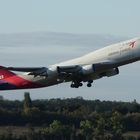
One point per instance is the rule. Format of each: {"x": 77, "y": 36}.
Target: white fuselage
{"x": 121, "y": 53}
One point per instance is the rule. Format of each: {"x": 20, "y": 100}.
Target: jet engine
{"x": 44, "y": 72}
{"x": 88, "y": 69}
{"x": 112, "y": 72}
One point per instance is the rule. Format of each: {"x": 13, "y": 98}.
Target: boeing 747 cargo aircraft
{"x": 86, "y": 69}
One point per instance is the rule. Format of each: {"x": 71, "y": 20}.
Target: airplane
{"x": 104, "y": 62}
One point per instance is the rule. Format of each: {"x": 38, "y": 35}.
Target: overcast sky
{"x": 117, "y": 17}
{"x": 102, "y": 22}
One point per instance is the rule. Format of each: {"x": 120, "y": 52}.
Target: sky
{"x": 109, "y": 20}
{"x": 119, "y": 17}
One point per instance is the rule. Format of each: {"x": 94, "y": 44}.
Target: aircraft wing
{"x": 65, "y": 71}
{"x": 24, "y": 69}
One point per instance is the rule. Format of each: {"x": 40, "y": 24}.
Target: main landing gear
{"x": 76, "y": 84}
{"x": 89, "y": 84}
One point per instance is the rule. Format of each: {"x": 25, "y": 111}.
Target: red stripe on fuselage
{"x": 20, "y": 82}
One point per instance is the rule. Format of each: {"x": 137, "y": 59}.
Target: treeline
{"x": 69, "y": 119}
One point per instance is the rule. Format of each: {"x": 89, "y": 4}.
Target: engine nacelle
{"x": 52, "y": 71}
{"x": 88, "y": 69}
{"x": 112, "y": 72}
{"x": 45, "y": 72}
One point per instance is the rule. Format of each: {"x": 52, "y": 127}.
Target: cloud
{"x": 38, "y": 39}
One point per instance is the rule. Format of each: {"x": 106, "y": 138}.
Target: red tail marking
{"x": 5, "y": 73}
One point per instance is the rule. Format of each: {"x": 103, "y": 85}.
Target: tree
{"x": 116, "y": 126}
{"x": 27, "y": 100}
{"x": 100, "y": 129}
{"x": 55, "y": 127}
{"x": 87, "y": 128}
{"x": 27, "y": 103}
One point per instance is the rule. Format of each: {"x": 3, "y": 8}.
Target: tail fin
{"x": 4, "y": 73}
